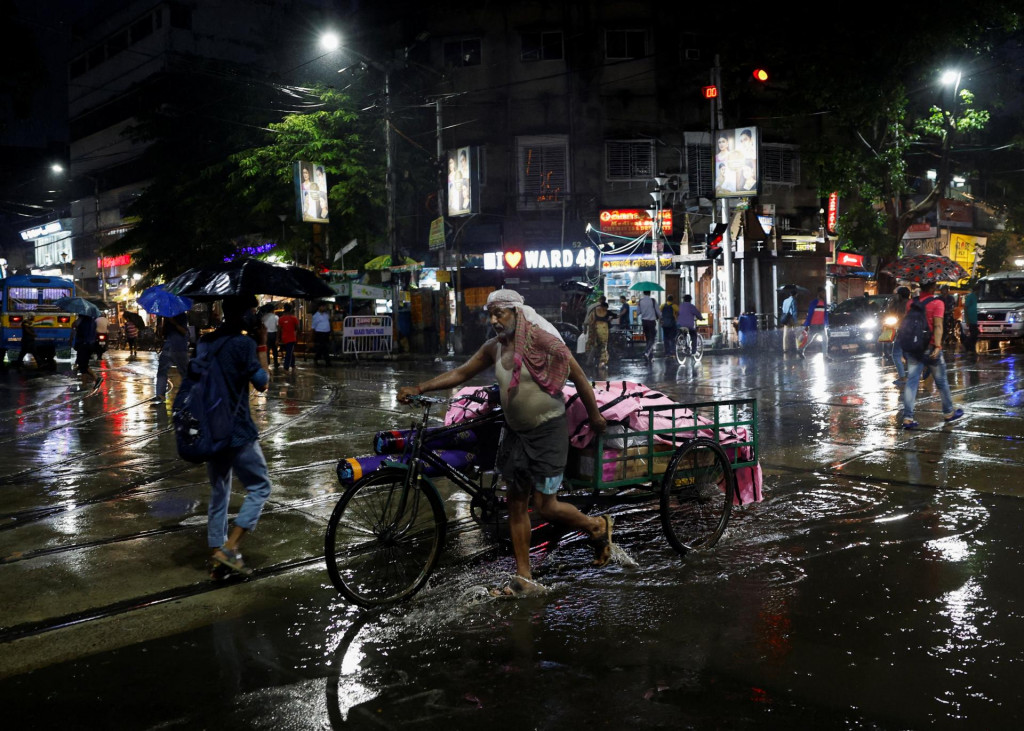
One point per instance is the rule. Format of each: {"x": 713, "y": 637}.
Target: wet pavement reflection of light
{"x": 872, "y": 588}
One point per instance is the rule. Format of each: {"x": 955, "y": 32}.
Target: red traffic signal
{"x": 760, "y": 75}
{"x": 710, "y": 92}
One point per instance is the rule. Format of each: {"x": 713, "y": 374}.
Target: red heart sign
{"x": 512, "y": 258}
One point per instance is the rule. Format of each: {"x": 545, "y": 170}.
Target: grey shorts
{"x": 535, "y": 459}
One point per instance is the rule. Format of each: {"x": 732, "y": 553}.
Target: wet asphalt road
{"x": 875, "y": 587}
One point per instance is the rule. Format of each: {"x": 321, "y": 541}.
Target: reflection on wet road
{"x": 874, "y": 586}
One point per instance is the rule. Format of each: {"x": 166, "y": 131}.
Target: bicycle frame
{"x": 419, "y": 454}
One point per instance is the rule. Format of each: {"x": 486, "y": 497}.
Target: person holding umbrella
{"x": 85, "y": 339}
{"x": 173, "y": 352}
{"x": 239, "y": 358}
{"x": 934, "y": 312}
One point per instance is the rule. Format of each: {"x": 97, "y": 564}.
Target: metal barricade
{"x": 363, "y": 334}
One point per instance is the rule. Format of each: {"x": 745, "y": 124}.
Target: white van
{"x": 1001, "y": 306}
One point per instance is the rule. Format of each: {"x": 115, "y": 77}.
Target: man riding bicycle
{"x": 535, "y": 447}
{"x": 687, "y": 320}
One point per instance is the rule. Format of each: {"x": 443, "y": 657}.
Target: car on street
{"x": 858, "y": 321}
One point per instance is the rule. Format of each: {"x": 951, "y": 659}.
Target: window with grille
{"x": 543, "y": 170}
{"x": 780, "y": 164}
{"x": 698, "y": 170}
{"x": 462, "y": 53}
{"x": 620, "y": 44}
{"x": 629, "y": 159}
{"x": 542, "y": 46}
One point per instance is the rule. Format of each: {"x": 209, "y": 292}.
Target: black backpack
{"x": 668, "y": 315}
{"x": 914, "y": 335}
{"x": 203, "y": 412}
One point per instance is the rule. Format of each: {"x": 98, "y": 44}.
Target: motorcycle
{"x": 101, "y": 344}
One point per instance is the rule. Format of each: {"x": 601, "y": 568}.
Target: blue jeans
{"x": 289, "y": 355}
{"x": 914, "y": 369}
{"x": 177, "y": 358}
{"x": 897, "y": 358}
{"x": 248, "y": 462}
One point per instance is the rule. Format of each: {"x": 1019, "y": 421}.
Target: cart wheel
{"x": 383, "y": 539}
{"x": 696, "y": 495}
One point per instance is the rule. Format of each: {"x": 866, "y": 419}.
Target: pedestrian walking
{"x": 131, "y": 336}
{"x": 934, "y": 309}
{"x": 788, "y": 320}
{"x": 322, "y": 335}
{"x": 28, "y": 341}
{"x": 173, "y": 352}
{"x": 898, "y": 309}
{"x": 241, "y": 365}
{"x": 648, "y": 311}
{"x": 598, "y": 326}
{"x": 971, "y": 318}
{"x": 531, "y": 364}
{"x": 270, "y": 324}
{"x": 816, "y": 324}
{"x": 288, "y": 331}
{"x": 669, "y": 329}
{"x": 85, "y": 339}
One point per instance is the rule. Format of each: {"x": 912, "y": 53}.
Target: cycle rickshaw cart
{"x": 386, "y": 534}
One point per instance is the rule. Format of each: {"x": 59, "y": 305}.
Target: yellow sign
{"x": 964, "y": 249}
{"x": 436, "y": 239}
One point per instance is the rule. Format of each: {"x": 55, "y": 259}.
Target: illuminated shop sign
{"x": 633, "y": 222}
{"x": 633, "y": 261}
{"x": 833, "y": 213}
{"x": 107, "y": 262}
{"x": 45, "y": 230}
{"x": 541, "y": 259}
{"x": 849, "y": 260}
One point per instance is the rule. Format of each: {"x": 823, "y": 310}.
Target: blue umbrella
{"x": 77, "y": 306}
{"x": 159, "y": 301}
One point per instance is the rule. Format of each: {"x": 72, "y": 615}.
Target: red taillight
{"x": 16, "y": 319}
{"x": 63, "y": 319}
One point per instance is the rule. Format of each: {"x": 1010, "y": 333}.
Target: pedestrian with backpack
{"x": 816, "y": 325}
{"x": 238, "y": 359}
{"x": 920, "y": 337}
{"x": 669, "y": 329}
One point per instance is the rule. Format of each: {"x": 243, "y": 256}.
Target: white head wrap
{"x": 511, "y": 299}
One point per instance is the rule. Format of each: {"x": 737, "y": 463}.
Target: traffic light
{"x": 760, "y": 75}
{"x": 713, "y": 248}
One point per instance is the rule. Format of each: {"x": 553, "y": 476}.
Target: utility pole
{"x": 389, "y": 187}
{"x": 719, "y": 123}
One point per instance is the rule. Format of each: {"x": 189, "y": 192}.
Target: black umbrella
{"x": 249, "y": 276}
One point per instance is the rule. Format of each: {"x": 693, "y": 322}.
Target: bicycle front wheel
{"x": 682, "y": 347}
{"x": 696, "y": 495}
{"x": 384, "y": 538}
{"x": 698, "y": 351}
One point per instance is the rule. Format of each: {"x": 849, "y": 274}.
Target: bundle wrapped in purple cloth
{"x": 353, "y": 469}
{"x": 394, "y": 441}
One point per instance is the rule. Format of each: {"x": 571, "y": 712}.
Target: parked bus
{"x": 30, "y": 294}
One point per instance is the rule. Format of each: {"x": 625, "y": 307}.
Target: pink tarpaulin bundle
{"x": 625, "y": 405}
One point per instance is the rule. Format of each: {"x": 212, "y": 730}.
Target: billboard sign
{"x": 736, "y": 162}
{"x": 310, "y": 192}
{"x": 633, "y": 222}
{"x": 463, "y": 185}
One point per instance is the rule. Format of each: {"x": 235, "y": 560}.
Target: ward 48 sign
{"x": 541, "y": 259}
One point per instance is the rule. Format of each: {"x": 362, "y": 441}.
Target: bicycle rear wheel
{"x": 696, "y": 495}
{"x": 384, "y": 538}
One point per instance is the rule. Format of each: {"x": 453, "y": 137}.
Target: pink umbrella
{"x": 927, "y": 268}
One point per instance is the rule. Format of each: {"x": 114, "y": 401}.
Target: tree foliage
{"x": 222, "y": 176}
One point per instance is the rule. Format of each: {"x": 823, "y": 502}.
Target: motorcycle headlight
{"x": 890, "y": 321}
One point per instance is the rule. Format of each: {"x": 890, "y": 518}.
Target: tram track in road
{"x": 142, "y": 602}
